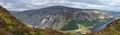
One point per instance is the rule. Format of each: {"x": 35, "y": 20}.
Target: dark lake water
{"x": 101, "y": 26}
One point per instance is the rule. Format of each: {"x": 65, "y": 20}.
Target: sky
{"x": 22, "y": 5}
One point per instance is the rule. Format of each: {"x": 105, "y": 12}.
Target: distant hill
{"x": 9, "y": 25}
{"x": 117, "y": 14}
{"x": 111, "y": 29}
{"x": 64, "y": 18}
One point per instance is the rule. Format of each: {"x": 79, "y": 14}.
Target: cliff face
{"x": 111, "y": 29}
{"x": 9, "y": 25}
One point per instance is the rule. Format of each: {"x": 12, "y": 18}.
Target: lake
{"x": 101, "y": 26}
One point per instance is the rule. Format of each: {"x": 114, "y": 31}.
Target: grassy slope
{"x": 12, "y": 26}
{"x": 111, "y": 29}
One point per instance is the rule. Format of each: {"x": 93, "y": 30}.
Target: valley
{"x": 80, "y": 22}
{"x": 65, "y": 18}
{"x": 59, "y": 17}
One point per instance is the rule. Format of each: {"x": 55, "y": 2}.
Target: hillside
{"x": 9, "y": 25}
{"x": 111, "y": 29}
{"x": 64, "y": 18}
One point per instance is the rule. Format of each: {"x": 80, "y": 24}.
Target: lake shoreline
{"x": 101, "y": 26}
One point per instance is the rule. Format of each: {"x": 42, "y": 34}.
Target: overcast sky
{"x": 22, "y": 5}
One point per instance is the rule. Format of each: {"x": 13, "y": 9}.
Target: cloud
{"x": 21, "y": 5}
{"x": 88, "y": 1}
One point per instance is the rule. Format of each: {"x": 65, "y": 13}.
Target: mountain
{"x": 111, "y": 29}
{"x": 117, "y": 14}
{"x": 64, "y": 18}
{"x": 14, "y": 12}
{"x": 9, "y": 25}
